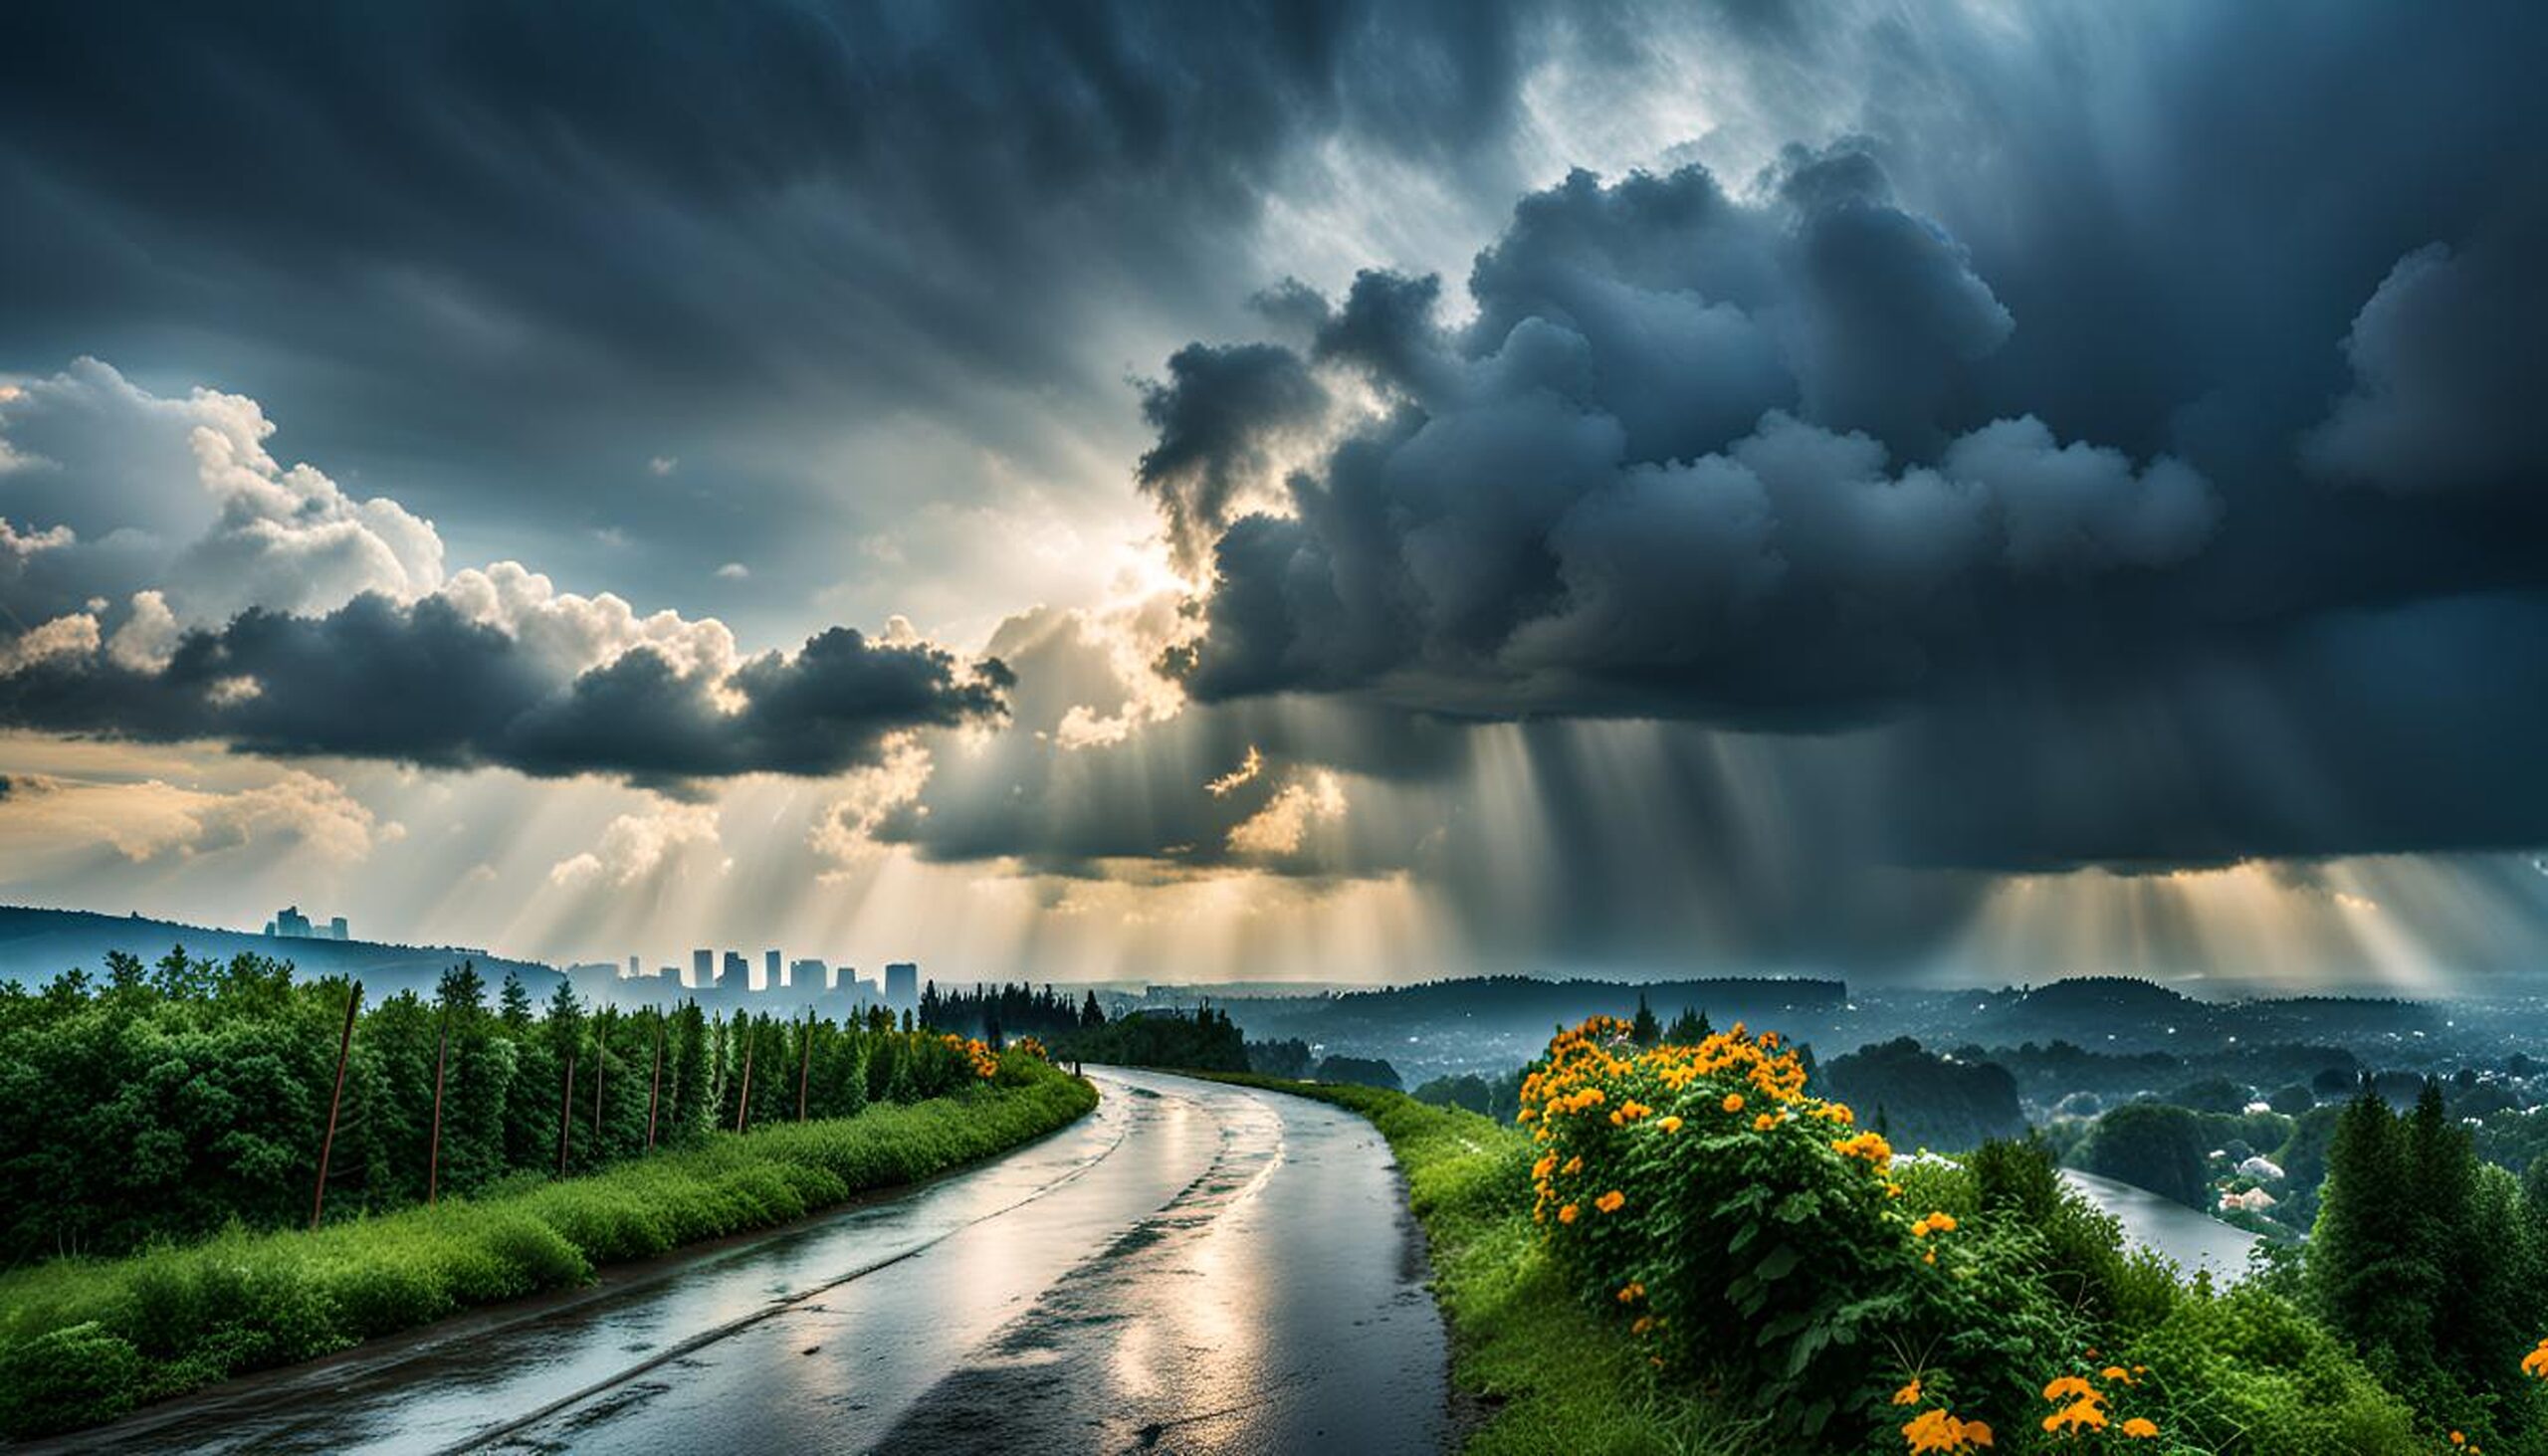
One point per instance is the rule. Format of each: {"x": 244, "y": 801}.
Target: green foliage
{"x": 2151, "y": 1146}
{"x": 67, "y": 1378}
{"x": 1205, "y": 1041}
{"x": 1928, "y": 1101}
{"x": 176, "y": 1317}
{"x": 167, "y": 1103}
{"x": 1361, "y": 1071}
{"x": 2248, "y": 1370}
{"x": 2427, "y": 1263}
{"x": 1469, "y": 1091}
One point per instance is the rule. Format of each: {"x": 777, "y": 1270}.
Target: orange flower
{"x": 2070, "y": 1387}
{"x": 2140, "y": 1426}
{"x": 1669, "y": 1125}
{"x": 2081, "y": 1414}
{"x": 1908, "y": 1394}
{"x": 1764, "y": 1122}
{"x": 1631, "y": 1291}
{"x": 1568, "y": 1213}
{"x": 1611, "y": 1201}
{"x": 2115, "y": 1372}
{"x": 1733, "y": 1102}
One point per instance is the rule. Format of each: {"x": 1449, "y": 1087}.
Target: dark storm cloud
{"x": 425, "y": 684}
{"x": 480, "y": 243}
{"x": 1220, "y": 415}
{"x": 2168, "y": 485}
{"x": 1596, "y": 498}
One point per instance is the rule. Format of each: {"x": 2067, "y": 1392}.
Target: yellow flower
{"x": 1568, "y": 1213}
{"x": 1942, "y": 1222}
{"x": 1764, "y": 1122}
{"x": 1908, "y": 1394}
{"x": 1936, "y": 1431}
{"x": 1611, "y": 1201}
{"x": 2070, "y": 1387}
{"x": 2140, "y": 1425}
{"x": 1733, "y": 1102}
{"x": 1573, "y": 1166}
{"x": 2115, "y": 1372}
{"x": 1669, "y": 1125}
{"x": 2083, "y": 1413}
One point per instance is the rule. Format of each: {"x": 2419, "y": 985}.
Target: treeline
{"x": 999, "y": 1012}
{"x": 164, "y": 1101}
{"x": 1203, "y": 1040}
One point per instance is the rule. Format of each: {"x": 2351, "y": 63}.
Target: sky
{"x": 1930, "y": 493}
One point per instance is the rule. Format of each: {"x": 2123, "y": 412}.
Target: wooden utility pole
{"x": 328, "y": 1145}
{"x": 804, "y": 1066}
{"x": 743, "y": 1101}
{"x": 566, "y": 1110}
{"x": 655, "y": 1084}
{"x": 602, "y": 1065}
{"x": 433, "y": 1148}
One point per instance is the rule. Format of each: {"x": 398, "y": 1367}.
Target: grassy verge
{"x": 1546, "y": 1375}
{"x": 84, "y": 1340}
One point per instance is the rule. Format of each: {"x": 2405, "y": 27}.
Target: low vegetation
{"x": 1682, "y": 1248}
{"x": 84, "y": 1339}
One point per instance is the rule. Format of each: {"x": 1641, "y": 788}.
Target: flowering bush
{"x": 976, "y": 1053}
{"x": 1747, "y": 1229}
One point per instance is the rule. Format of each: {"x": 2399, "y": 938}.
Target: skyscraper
{"x": 703, "y": 969}
{"x": 901, "y": 984}
{"x": 773, "y": 973}
{"x": 738, "y": 974}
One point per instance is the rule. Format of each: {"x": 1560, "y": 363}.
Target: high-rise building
{"x": 336, "y": 928}
{"x": 703, "y": 969}
{"x": 738, "y": 974}
{"x": 634, "y": 970}
{"x": 773, "y": 973}
{"x": 291, "y": 923}
{"x": 901, "y": 984}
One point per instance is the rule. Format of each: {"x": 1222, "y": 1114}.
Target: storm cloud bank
{"x": 2261, "y": 569}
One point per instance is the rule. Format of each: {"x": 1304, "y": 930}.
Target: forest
{"x": 166, "y": 1100}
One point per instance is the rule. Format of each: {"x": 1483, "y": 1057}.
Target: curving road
{"x": 1192, "y": 1267}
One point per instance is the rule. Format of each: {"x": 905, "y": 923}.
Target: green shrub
{"x": 65, "y": 1379}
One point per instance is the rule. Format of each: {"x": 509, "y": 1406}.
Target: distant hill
{"x": 38, "y": 944}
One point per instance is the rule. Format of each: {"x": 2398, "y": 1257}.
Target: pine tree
{"x": 1645, "y": 1031}
{"x": 514, "y": 1005}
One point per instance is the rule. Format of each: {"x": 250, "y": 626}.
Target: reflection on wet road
{"x": 1192, "y": 1267}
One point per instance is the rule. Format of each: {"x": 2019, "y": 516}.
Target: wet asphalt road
{"x": 1191, "y": 1268}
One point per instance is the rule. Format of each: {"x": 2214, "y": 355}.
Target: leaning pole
{"x": 336, "y": 1099}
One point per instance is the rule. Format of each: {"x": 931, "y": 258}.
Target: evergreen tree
{"x": 1644, "y": 1030}
{"x": 514, "y": 1003}
{"x": 1686, "y": 1029}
